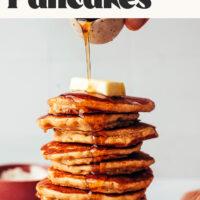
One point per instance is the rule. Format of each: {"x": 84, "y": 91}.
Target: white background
{"x": 162, "y": 61}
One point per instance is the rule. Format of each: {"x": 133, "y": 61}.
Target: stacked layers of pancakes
{"x": 96, "y": 149}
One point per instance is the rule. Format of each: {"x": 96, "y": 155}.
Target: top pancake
{"x": 78, "y": 103}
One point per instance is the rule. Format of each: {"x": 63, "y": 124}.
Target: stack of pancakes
{"x": 96, "y": 153}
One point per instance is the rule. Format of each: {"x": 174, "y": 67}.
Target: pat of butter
{"x": 108, "y": 88}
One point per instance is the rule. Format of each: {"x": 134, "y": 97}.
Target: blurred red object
{"x": 135, "y": 24}
{"x": 193, "y": 195}
{"x": 18, "y": 190}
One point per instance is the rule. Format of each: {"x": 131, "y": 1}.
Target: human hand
{"x": 194, "y": 195}
{"x": 105, "y": 30}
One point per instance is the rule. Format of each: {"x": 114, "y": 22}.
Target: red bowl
{"x": 18, "y": 190}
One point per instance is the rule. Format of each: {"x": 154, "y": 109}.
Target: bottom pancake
{"x": 47, "y": 191}
{"x": 133, "y": 163}
{"x": 102, "y": 183}
{"x": 92, "y": 198}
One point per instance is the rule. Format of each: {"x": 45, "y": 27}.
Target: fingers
{"x": 195, "y": 195}
{"x": 135, "y": 24}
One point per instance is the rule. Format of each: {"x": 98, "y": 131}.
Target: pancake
{"x": 87, "y": 161}
{"x": 76, "y": 103}
{"x": 61, "y": 152}
{"x": 121, "y": 137}
{"x": 91, "y": 198}
{"x": 133, "y": 163}
{"x": 102, "y": 183}
{"x": 93, "y": 122}
{"x": 47, "y": 191}
{"x": 46, "y": 198}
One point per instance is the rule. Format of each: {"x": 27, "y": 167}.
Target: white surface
{"x": 171, "y": 189}
{"x": 162, "y": 61}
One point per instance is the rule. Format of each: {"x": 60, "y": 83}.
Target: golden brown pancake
{"x": 87, "y": 161}
{"x": 121, "y": 137}
{"x": 76, "y": 103}
{"x": 61, "y": 152}
{"x": 91, "y": 198}
{"x": 47, "y": 191}
{"x": 93, "y": 122}
{"x": 133, "y": 163}
{"x": 103, "y": 183}
{"x": 46, "y": 198}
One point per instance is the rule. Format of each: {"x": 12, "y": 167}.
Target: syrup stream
{"x": 86, "y": 28}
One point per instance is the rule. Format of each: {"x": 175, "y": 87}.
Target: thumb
{"x": 194, "y": 195}
{"x": 135, "y": 24}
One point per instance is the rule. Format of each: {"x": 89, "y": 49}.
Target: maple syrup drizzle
{"x": 86, "y": 28}
{"x": 87, "y": 48}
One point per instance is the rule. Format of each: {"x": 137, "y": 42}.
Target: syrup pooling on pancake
{"x": 76, "y": 103}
